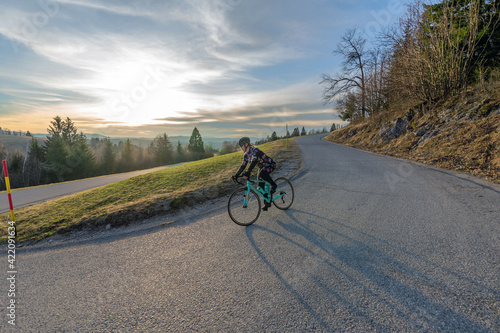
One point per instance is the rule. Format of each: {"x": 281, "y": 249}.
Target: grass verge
{"x": 462, "y": 134}
{"x": 139, "y": 197}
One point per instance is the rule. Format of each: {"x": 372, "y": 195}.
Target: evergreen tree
{"x": 56, "y": 154}
{"x": 142, "y": 158}
{"x": 127, "y": 162}
{"x": 179, "y": 157}
{"x": 15, "y": 161}
{"x": 69, "y": 131}
{"x": 81, "y": 160}
{"x": 67, "y": 154}
{"x": 94, "y": 143}
{"x": 34, "y": 164}
{"x": 274, "y": 136}
{"x": 303, "y": 131}
{"x": 107, "y": 157}
{"x": 296, "y": 132}
{"x": 162, "y": 149}
{"x": 55, "y": 127}
{"x": 196, "y": 146}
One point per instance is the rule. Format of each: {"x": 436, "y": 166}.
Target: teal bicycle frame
{"x": 261, "y": 191}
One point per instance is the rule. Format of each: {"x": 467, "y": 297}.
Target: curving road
{"x": 372, "y": 243}
{"x": 31, "y": 195}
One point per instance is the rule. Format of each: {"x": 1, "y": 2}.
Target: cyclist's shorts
{"x": 269, "y": 167}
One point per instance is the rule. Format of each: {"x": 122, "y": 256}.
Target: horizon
{"x": 91, "y": 135}
{"x": 231, "y": 68}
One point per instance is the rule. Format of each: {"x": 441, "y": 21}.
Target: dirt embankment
{"x": 462, "y": 133}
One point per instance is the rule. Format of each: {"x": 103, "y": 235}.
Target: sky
{"x": 140, "y": 68}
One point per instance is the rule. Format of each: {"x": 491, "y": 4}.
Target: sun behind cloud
{"x": 151, "y": 66}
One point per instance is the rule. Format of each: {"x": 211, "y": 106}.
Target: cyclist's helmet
{"x": 244, "y": 140}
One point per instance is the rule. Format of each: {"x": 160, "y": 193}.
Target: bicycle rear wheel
{"x": 284, "y": 192}
{"x": 244, "y": 208}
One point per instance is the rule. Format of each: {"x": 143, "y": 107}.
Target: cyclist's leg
{"x": 261, "y": 182}
{"x": 265, "y": 175}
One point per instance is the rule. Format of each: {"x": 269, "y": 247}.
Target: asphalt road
{"x": 372, "y": 243}
{"x": 31, "y": 195}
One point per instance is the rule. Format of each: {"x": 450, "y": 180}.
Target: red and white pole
{"x": 7, "y": 183}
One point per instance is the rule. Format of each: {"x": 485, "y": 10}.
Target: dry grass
{"x": 467, "y": 134}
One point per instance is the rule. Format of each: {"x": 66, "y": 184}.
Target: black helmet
{"x": 244, "y": 140}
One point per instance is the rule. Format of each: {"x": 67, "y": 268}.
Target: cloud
{"x": 154, "y": 65}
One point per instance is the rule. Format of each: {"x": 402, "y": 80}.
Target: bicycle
{"x": 244, "y": 205}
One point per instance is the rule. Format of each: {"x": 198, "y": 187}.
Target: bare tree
{"x": 353, "y": 76}
{"x": 229, "y": 147}
{"x": 376, "y": 82}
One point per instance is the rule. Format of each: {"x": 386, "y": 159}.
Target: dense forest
{"x": 68, "y": 155}
{"x": 434, "y": 52}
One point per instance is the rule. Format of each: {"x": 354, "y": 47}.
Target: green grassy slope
{"x": 137, "y": 198}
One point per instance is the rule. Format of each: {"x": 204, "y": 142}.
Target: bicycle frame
{"x": 261, "y": 191}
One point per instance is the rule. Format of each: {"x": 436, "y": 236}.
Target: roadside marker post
{"x": 12, "y": 268}
{"x": 7, "y": 183}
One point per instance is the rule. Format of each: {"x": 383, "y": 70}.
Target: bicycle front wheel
{"x": 244, "y": 207}
{"x": 284, "y": 194}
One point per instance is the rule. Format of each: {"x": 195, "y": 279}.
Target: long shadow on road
{"x": 132, "y": 230}
{"x": 381, "y": 285}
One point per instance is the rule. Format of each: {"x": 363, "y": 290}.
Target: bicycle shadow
{"x": 156, "y": 224}
{"x": 393, "y": 285}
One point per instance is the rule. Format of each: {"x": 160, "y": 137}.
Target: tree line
{"x": 296, "y": 132}
{"x": 433, "y": 52}
{"x": 16, "y": 133}
{"x": 68, "y": 155}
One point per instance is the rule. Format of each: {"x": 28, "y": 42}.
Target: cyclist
{"x": 256, "y": 156}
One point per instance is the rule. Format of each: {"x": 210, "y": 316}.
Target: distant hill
{"x": 21, "y": 142}
{"x": 17, "y": 141}
{"x": 184, "y": 140}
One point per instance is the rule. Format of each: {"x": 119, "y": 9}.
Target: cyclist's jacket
{"x": 256, "y": 156}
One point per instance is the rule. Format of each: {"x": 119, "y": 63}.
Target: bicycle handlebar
{"x": 235, "y": 179}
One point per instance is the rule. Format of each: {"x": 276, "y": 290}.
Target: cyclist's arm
{"x": 252, "y": 165}
{"x": 242, "y": 167}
